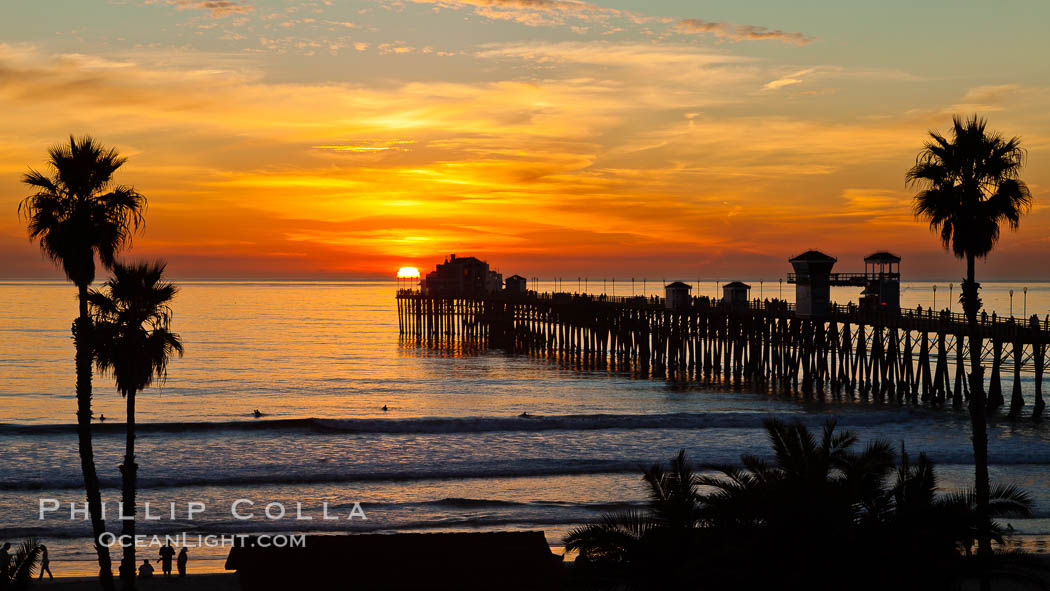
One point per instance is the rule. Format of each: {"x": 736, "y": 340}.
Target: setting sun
{"x": 408, "y": 273}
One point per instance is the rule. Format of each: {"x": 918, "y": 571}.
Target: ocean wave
{"x": 448, "y": 425}
{"x": 394, "y": 474}
{"x": 517, "y": 468}
{"x": 471, "y": 503}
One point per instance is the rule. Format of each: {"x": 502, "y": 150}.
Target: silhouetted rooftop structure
{"x": 462, "y": 277}
{"x": 813, "y": 256}
{"x": 676, "y": 295}
{"x": 882, "y": 257}
{"x": 735, "y": 293}
{"x": 516, "y": 284}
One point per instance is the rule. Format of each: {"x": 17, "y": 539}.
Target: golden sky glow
{"x": 345, "y": 139}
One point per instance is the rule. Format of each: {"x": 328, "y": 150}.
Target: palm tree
{"x": 76, "y": 214}
{"x": 820, "y": 514}
{"x": 24, "y": 564}
{"x": 969, "y": 188}
{"x": 646, "y": 546}
{"x": 133, "y": 342}
{"x": 947, "y": 521}
{"x": 814, "y": 485}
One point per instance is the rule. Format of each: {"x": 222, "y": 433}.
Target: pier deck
{"x": 908, "y": 356}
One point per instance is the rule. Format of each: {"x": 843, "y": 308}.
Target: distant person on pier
{"x": 181, "y": 561}
{"x": 146, "y": 570}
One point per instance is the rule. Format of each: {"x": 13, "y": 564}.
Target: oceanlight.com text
{"x": 188, "y": 540}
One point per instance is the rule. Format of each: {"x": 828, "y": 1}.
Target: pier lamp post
{"x": 760, "y": 296}
{"x": 1011, "y": 303}
{"x": 781, "y": 282}
{"x": 603, "y": 287}
{"x": 632, "y": 287}
{"x": 950, "y": 289}
{"x": 1025, "y": 290}
{"x": 643, "y": 287}
{"x": 934, "y": 297}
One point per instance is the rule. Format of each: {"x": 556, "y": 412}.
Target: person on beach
{"x": 146, "y": 570}
{"x": 45, "y": 564}
{"x": 181, "y": 561}
{"x": 5, "y": 560}
{"x": 166, "y": 554}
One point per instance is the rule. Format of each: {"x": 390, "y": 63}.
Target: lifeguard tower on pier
{"x": 882, "y": 282}
{"x": 813, "y": 280}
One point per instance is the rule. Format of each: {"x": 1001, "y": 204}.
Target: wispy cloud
{"x": 217, "y": 8}
{"x": 533, "y": 12}
{"x": 604, "y": 149}
{"x": 739, "y": 32}
{"x": 789, "y": 80}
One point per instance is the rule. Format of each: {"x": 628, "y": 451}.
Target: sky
{"x": 337, "y": 139}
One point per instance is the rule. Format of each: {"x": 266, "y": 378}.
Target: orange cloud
{"x": 739, "y": 32}
{"x": 604, "y": 156}
{"x": 217, "y": 8}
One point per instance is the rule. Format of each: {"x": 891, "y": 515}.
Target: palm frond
{"x": 73, "y": 212}
{"x": 969, "y": 186}
{"x": 27, "y": 561}
{"x": 133, "y": 339}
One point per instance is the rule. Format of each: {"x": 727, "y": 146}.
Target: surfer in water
{"x": 256, "y": 413}
{"x": 525, "y": 415}
{"x": 385, "y": 408}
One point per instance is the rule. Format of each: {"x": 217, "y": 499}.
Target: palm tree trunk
{"x": 978, "y": 418}
{"x": 129, "y": 471}
{"x": 82, "y": 340}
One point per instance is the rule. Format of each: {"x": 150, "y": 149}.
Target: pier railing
{"x": 907, "y": 356}
{"x": 990, "y": 325}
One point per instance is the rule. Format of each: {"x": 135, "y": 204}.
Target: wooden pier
{"x": 908, "y": 356}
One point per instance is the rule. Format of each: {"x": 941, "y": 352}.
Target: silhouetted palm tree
{"x": 646, "y": 546}
{"x": 25, "y": 564}
{"x": 133, "y": 342}
{"x": 821, "y": 486}
{"x": 969, "y": 188}
{"x": 952, "y": 521}
{"x": 819, "y": 515}
{"x": 77, "y": 214}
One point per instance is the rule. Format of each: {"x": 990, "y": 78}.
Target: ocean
{"x": 320, "y": 360}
